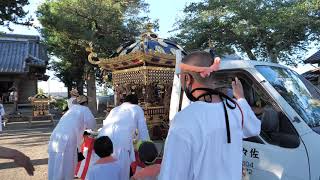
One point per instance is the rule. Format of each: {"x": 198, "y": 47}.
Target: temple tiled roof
{"x": 18, "y": 52}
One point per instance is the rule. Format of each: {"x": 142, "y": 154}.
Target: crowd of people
{"x": 204, "y": 140}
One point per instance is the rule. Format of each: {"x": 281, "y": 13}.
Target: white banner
{"x": 175, "y": 100}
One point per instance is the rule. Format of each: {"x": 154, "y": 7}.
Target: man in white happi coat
{"x": 66, "y": 138}
{"x": 205, "y": 139}
{"x": 121, "y": 125}
{"x": 2, "y": 113}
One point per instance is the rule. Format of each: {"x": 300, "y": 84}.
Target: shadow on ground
{"x": 35, "y": 162}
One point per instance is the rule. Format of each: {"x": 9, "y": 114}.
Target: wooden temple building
{"x": 146, "y": 68}
{"x": 23, "y": 62}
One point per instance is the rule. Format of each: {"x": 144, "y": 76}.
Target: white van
{"x": 288, "y": 147}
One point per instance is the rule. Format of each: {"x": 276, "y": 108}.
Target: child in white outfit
{"x": 106, "y": 167}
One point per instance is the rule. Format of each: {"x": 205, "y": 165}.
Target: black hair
{"x": 103, "y": 146}
{"x": 131, "y": 98}
{"x": 148, "y": 152}
{"x": 86, "y": 133}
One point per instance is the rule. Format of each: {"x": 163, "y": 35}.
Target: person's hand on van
{"x": 237, "y": 89}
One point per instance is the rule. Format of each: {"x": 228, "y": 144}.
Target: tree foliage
{"x": 70, "y": 25}
{"x": 269, "y": 30}
{"x": 11, "y": 11}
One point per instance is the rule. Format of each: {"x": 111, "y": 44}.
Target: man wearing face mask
{"x": 205, "y": 139}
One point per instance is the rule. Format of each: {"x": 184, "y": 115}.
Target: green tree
{"x": 269, "y": 30}
{"x": 11, "y": 11}
{"x": 69, "y": 26}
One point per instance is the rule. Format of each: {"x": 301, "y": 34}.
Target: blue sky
{"x": 167, "y": 11}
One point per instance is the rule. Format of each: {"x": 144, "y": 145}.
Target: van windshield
{"x": 298, "y": 92}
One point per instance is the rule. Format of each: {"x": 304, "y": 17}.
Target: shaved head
{"x": 200, "y": 59}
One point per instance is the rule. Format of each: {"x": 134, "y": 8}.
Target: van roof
{"x": 245, "y": 64}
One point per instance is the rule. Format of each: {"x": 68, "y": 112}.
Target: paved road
{"x": 33, "y": 142}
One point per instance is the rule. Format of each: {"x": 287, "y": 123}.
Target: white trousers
{"x": 124, "y": 158}
{"x": 61, "y": 165}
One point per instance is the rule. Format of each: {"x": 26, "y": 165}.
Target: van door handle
{"x": 296, "y": 119}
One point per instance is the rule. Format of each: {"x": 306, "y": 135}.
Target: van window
{"x": 301, "y": 96}
{"x": 276, "y": 129}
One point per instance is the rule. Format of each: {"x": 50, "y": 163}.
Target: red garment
{"x": 105, "y": 160}
{"x": 87, "y": 150}
{"x": 149, "y": 171}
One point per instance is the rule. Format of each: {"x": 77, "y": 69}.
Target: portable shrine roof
{"x": 149, "y": 42}
{"x": 148, "y": 49}
{"x": 315, "y": 58}
{"x": 18, "y": 52}
{"x": 312, "y": 75}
